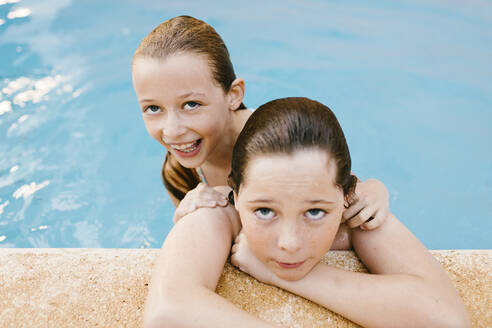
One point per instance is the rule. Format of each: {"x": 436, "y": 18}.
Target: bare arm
{"x": 185, "y": 275}
{"x": 407, "y": 286}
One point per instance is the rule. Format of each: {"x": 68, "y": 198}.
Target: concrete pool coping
{"x": 107, "y": 288}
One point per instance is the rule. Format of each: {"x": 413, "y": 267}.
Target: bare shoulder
{"x": 229, "y": 211}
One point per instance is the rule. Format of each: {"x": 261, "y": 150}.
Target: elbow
{"x": 154, "y": 318}
{"x": 454, "y": 321}
{"x": 458, "y": 318}
{"x": 437, "y": 307}
{"x": 451, "y": 316}
{"x": 165, "y": 314}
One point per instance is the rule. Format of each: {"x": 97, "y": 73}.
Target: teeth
{"x": 186, "y": 148}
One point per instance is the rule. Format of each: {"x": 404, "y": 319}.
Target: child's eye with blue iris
{"x": 191, "y": 105}
{"x": 264, "y": 213}
{"x": 152, "y": 109}
{"x": 315, "y": 214}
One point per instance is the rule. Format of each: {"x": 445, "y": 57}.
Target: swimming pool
{"x": 411, "y": 84}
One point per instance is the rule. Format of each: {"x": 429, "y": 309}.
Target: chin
{"x": 189, "y": 163}
{"x": 291, "y": 276}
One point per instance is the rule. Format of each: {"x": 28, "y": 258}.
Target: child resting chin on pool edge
{"x": 291, "y": 176}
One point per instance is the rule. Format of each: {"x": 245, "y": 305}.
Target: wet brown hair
{"x": 185, "y": 34}
{"x": 287, "y": 125}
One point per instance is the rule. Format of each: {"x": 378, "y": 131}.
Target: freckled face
{"x": 183, "y": 107}
{"x": 290, "y": 210}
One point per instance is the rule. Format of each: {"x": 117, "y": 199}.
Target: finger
{"x": 234, "y": 260}
{"x": 234, "y": 248}
{"x": 223, "y": 202}
{"x": 178, "y": 215}
{"x": 375, "y": 222}
{"x": 210, "y": 195}
{"x": 207, "y": 203}
{"x": 360, "y": 218}
{"x": 351, "y": 198}
{"x": 221, "y": 198}
{"x": 239, "y": 237}
{"x": 352, "y": 211}
{"x": 183, "y": 211}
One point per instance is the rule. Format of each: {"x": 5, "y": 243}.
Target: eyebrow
{"x": 260, "y": 200}
{"x": 313, "y": 201}
{"x": 145, "y": 100}
{"x": 184, "y": 95}
{"x": 317, "y": 201}
{"x": 191, "y": 93}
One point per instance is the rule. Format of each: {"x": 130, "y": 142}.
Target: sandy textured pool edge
{"x": 107, "y": 288}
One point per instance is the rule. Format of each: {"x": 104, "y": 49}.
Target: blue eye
{"x": 152, "y": 109}
{"x": 264, "y": 213}
{"x": 315, "y": 214}
{"x": 191, "y": 105}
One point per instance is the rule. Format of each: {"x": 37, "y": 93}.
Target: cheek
{"x": 323, "y": 238}
{"x": 209, "y": 128}
{"x": 214, "y": 123}
{"x": 258, "y": 238}
{"x": 153, "y": 129}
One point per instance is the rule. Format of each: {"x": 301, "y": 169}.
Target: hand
{"x": 369, "y": 206}
{"x": 244, "y": 259}
{"x": 201, "y": 196}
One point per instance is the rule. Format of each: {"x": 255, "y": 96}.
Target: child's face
{"x": 183, "y": 107}
{"x": 290, "y": 210}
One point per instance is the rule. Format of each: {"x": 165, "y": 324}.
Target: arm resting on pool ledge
{"x": 406, "y": 287}
{"x": 186, "y": 273}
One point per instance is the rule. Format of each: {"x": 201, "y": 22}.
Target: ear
{"x": 236, "y": 94}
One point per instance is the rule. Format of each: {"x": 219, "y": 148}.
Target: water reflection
{"x": 2, "y": 206}
{"x": 28, "y": 190}
{"x": 19, "y": 13}
{"x": 4, "y": 2}
{"x": 35, "y": 90}
{"x": 5, "y": 106}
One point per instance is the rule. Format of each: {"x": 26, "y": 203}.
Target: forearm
{"x": 181, "y": 293}
{"x": 201, "y": 308}
{"x": 407, "y": 286}
{"x": 373, "y": 300}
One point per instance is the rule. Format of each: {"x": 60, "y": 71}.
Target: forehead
{"x": 304, "y": 171}
{"x": 181, "y": 68}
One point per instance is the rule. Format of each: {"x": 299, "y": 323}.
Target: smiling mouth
{"x": 186, "y": 147}
{"x": 290, "y": 265}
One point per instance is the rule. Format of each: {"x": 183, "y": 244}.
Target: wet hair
{"x": 286, "y": 125}
{"x": 185, "y": 34}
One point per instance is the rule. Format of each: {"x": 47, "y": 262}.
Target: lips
{"x": 188, "y": 149}
{"x": 290, "y": 265}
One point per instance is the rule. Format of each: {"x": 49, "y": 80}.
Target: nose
{"x": 172, "y": 126}
{"x": 289, "y": 239}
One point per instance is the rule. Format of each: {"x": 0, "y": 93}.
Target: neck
{"x": 220, "y": 160}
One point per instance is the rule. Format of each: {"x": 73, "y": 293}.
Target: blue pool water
{"x": 410, "y": 81}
